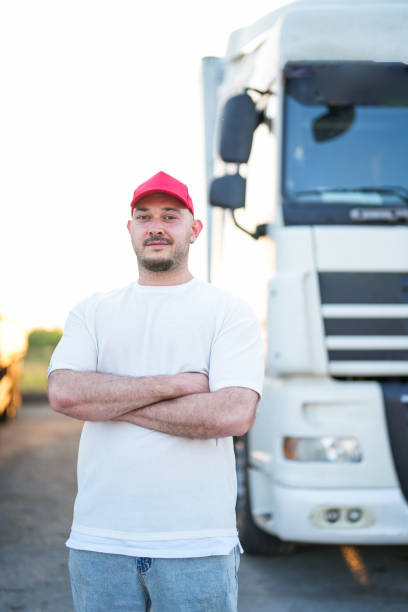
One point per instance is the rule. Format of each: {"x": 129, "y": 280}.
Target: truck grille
{"x": 365, "y": 317}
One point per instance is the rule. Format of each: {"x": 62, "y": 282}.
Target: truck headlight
{"x": 327, "y": 449}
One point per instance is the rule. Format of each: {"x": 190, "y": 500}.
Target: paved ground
{"x": 37, "y": 485}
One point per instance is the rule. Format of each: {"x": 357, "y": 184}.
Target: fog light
{"x": 332, "y": 515}
{"x": 354, "y": 515}
{"x": 326, "y": 449}
{"x": 342, "y": 517}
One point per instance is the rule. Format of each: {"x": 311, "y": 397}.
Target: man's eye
{"x": 141, "y": 217}
{"x": 170, "y": 217}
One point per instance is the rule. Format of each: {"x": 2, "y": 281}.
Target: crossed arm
{"x": 179, "y": 404}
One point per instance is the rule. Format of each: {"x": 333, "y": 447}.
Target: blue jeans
{"x": 103, "y": 582}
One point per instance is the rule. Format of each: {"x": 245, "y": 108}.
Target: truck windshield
{"x": 345, "y": 141}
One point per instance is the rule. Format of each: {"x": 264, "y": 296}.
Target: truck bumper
{"x": 301, "y": 515}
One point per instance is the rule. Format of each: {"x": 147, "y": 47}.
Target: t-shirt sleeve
{"x": 237, "y": 353}
{"x": 77, "y": 349}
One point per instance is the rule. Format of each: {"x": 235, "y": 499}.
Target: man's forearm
{"x": 94, "y": 396}
{"x": 227, "y": 412}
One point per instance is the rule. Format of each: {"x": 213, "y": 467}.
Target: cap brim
{"x": 166, "y": 191}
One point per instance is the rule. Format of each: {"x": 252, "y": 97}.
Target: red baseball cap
{"x": 163, "y": 183}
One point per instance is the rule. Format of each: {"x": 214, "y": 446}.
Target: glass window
{"x": 345, "y": 135}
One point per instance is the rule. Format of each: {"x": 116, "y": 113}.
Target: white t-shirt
{"x": 143, "y": 490}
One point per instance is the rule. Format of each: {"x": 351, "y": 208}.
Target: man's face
{"x": 161, "y": 230}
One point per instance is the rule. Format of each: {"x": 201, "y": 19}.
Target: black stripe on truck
{"x": 366, "y": 327}
{"x": 363, "y": 287}
{"x": 396, "y": 412}
{"x": 368, "y": 355}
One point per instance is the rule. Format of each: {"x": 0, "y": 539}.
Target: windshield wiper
{"x": 399, "y": 191}
{"x": 374, "y": 207}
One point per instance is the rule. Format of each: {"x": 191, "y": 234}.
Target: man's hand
{"x": 93, "y": 396}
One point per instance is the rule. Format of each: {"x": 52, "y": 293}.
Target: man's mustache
{"x": 157, "y": 239}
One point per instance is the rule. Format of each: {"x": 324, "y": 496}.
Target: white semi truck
{"x": 306, "y": 121}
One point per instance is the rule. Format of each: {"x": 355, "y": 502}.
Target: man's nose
{"x": 155, "y": 226}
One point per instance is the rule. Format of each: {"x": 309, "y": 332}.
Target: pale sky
{"x": 96, "y": 97}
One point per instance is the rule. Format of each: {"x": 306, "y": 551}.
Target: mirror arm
{"x": 260, "y": 230}
{"x": 262, "y": 118}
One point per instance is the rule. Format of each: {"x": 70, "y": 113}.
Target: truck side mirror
{"x": 239, "y": 120}
{"x": 228, "y": 191}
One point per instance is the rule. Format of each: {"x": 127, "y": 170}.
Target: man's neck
{"x": 146, "y": 277}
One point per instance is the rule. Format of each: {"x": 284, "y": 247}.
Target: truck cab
{"x": 323, "y": 202}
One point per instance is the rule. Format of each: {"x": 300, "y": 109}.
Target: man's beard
{"x": 165, "y": 264}
{"x": 162, "y": 265}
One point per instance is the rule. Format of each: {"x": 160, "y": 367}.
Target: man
{"x": 163, "y": 372}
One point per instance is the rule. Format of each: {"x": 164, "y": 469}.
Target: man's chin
{"x": 157, "y": 265}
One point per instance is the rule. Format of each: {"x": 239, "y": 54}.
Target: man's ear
{"x": 196, "y": 229}
{"x": 128, "y": 224}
